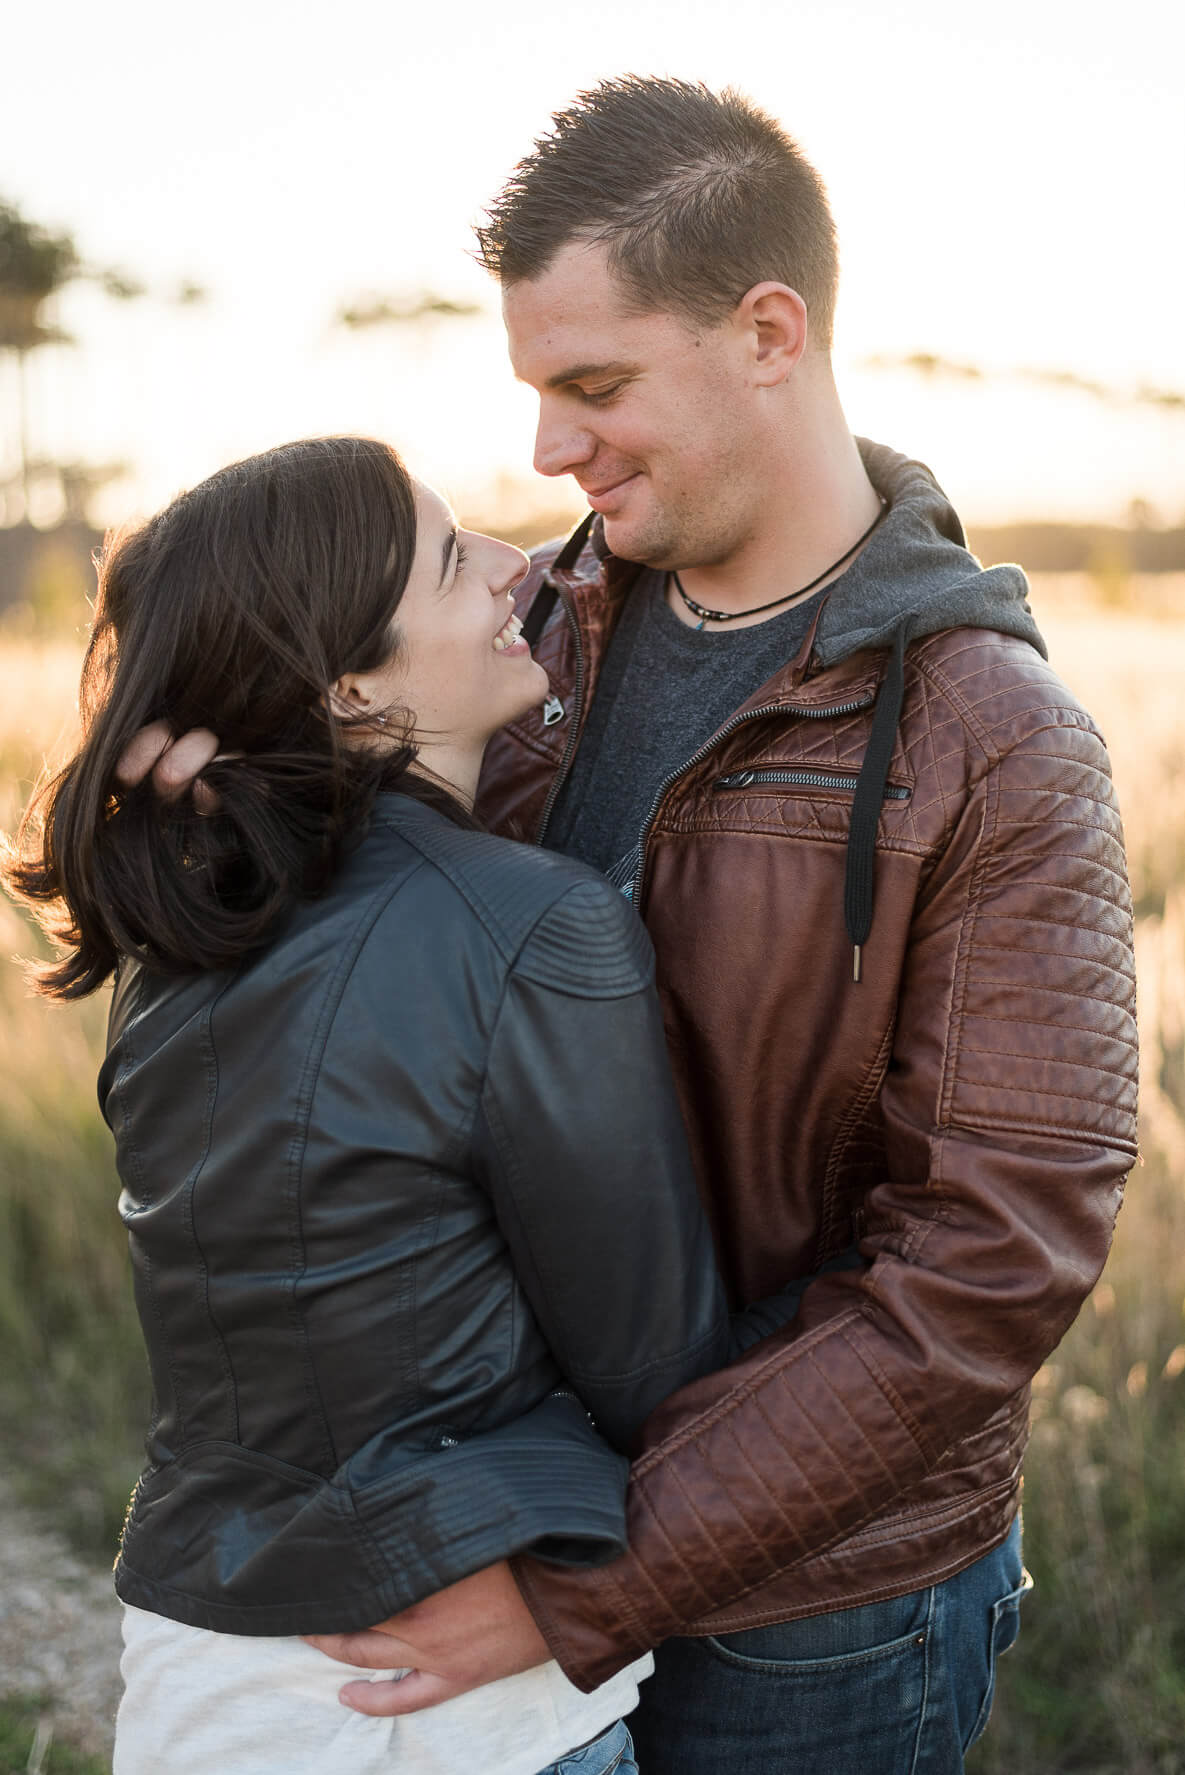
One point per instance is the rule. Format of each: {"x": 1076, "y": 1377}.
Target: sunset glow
{"x": 1009, "y": 191}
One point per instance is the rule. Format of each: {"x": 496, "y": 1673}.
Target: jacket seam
{"x": 852, "y": 1120}
{"x": 966, "y": 945}
{"x": 213, "y": 1081}
{"x": 298, "y": 1143}
{"x": 624, "y": 1376}
{"x": 137, "y": 1161}
{"x": 905, "y": 1416}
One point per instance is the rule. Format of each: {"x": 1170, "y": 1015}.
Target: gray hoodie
{"x": 918, "y": 565}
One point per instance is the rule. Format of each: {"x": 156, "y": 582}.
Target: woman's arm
{"x": 580, "y": 1143}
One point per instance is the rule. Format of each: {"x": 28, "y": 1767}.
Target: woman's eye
{"x": 462, "y": 554}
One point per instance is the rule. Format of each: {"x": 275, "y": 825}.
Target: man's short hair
{"x": 697, "y": 196}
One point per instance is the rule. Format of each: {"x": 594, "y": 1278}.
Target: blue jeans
{"x": 893, "y": 1688}
{"x": 610, "y": 1754}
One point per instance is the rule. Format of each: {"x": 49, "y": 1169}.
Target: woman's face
{"x": 460, "y": 666}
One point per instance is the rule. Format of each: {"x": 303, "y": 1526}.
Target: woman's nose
{"x": 511, "y": 568}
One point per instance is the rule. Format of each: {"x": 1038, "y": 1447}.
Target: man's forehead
{"x": 572, "y": 323}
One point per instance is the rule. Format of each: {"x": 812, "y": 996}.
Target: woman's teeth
{"x": 509, "y": 635}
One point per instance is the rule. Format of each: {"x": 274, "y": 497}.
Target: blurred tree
{"x": 34, "y": 265}
{"x": 387, "y": 311}
{"x": 930, "y": 365}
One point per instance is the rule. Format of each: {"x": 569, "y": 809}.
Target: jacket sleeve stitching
{"x": 983, "y": 1121}
{"x": 705, "y": 1528}
{"x": 1094, "y": 998}
{"x": 1047, "y": 1090}
{"x": 816, "y": 1498}
{"x": 736, "y": 1395}
{"x": 1079, "y": 893}
{"x": 672, "y": 1548}
{"x": 1062, "y": 955}
{"x": 1114, "y": 902}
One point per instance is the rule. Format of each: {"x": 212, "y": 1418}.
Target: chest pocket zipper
{"x": 807, "y": 779}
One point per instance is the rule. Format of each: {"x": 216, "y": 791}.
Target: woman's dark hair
{"x": 696, "y": 196}
{"x": 235, "y": 608}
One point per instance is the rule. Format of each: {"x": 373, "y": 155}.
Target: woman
{"x": 404, "y": 1178}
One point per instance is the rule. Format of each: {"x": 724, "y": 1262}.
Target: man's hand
{"x": 472, "y": 1633}
{"x": 175, "y": 763}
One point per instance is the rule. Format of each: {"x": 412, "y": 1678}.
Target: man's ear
{"x": 774, "y": 319}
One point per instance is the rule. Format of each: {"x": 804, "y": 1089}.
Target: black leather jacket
{"x": 405, "y": 1196}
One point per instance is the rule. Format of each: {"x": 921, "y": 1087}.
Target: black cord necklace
{"x": 706, "y": 615}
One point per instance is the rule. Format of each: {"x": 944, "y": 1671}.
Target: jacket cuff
{"x": 591, "y": 1627}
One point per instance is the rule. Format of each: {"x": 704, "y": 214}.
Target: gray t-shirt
{"x": 664, "y": 689}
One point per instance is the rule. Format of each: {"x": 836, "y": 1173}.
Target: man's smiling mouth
{"x": 599, "y": 496}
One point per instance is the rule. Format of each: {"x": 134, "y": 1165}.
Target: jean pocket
{"x": 1005, "y": 1628}
{"x": 606, "y": 1755}
{"x": 860, "y": 1706}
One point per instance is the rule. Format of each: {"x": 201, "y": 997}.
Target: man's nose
{"x": 561, "y": 446}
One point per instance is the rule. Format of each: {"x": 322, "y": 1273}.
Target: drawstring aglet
{"x": 856, "y": 964}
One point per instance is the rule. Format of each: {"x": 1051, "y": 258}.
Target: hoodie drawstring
{"x": 859, "y": 894}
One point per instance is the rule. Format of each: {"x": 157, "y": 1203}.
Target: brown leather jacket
{"x": 965, "y": 1111}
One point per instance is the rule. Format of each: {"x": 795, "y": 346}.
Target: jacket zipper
{"x": 811, "y": 779}
{"x": 808, "y": 713}
{"x": 578, "y": 697}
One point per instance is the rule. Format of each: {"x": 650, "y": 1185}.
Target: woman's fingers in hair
{"x": 141, "y": 753}
{"x": 175, "y": 762}
{"x": 181, "y": 763}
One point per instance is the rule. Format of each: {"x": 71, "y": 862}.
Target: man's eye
{"x": 600, "y": 397}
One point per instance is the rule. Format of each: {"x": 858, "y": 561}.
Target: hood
{"x": 915, "y": 577}
{"x": 918, "y": 565}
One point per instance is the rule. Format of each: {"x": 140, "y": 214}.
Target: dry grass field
{"x": 1098, "y": 1681}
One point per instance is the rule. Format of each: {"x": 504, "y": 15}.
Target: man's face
{"x": 651, "y": 416}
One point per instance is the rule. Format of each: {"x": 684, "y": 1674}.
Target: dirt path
{"x": 59, "y": 1629}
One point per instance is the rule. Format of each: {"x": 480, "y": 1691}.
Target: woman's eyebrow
{"x": 446, "y": 555}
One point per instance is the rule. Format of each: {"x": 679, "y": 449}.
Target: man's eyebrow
{"x": 588, "y": 373}
{"x": 446, "y": 555}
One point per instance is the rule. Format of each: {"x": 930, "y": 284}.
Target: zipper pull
{"x": 553, "y": 710}
{"x": 740, "y": 780}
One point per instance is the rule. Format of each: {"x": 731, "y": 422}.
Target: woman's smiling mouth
{"x": 507, "y": 638}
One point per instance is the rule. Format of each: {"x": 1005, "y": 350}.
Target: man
{"x": 874, "y": 842}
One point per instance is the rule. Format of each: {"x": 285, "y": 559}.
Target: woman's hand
{"x": 473, "y": 1632}
{"x": 176, "y": 763}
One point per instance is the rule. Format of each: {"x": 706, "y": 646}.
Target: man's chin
{"x": 638, "y": 543}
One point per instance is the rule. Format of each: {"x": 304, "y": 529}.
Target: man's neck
{"x": 820, "y": 503}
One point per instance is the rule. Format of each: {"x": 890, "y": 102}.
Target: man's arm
{"x": 1007, "y": 1147}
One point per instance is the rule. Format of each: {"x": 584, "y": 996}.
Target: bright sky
{"x": 1008, "y": 181}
